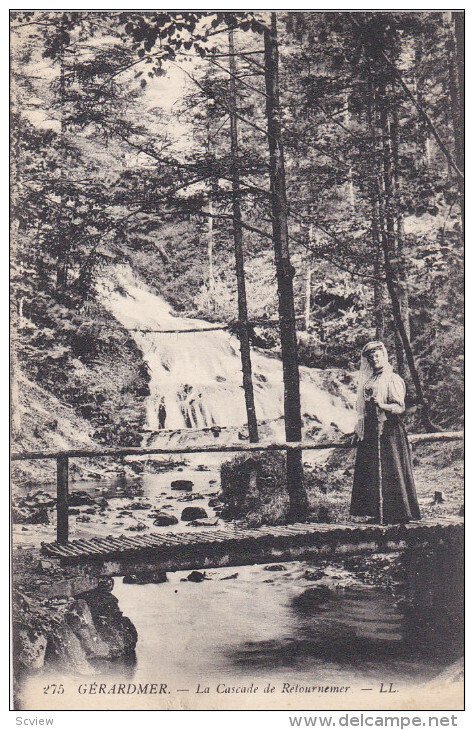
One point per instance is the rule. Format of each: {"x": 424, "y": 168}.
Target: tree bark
{"x": 210, "y": 255}
{"x": 400, "y": 242}
{"x": 387, "y": 238}
{"x": 62, "y": 261}
{"x": 391, "y": 272}
{"x": 309, "y": 273}
{"x": 378, "y": 287}
{"x": 350, "y": 181}
{"x": 455, "y": 61}
{"x": 285, "y": 273}
{"x": 239, "y": 254}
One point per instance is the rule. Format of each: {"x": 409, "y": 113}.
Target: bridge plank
{"x": 238, "y": 545}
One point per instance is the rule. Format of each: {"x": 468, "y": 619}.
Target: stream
{"x": 301, "y": 625}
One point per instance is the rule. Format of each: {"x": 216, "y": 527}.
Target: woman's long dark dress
{"x": 400, "y": 503}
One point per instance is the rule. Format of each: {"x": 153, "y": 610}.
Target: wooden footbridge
{"x": 116, "y": 555}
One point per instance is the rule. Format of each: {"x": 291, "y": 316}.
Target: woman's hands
{"x": 388, "y": 407}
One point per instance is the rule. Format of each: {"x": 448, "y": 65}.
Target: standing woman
{"x": 383, "y": 476}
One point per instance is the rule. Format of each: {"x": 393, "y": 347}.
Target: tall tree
{"x": 285, "y": 273}
{"x": 238, "y": 250}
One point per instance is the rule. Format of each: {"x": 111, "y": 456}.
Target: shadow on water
{"x": 415, "y": 621}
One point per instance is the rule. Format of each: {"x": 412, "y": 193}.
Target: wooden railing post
{"x": 62, "y": 507}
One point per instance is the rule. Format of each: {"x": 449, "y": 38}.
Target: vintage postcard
{"x": 237, "y": 359}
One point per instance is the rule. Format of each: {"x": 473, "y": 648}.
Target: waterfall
{"x": 196, "y": 378}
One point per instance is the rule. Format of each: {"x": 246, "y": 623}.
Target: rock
{"x": 275, "y": 567}
{"x": 90, "y": 511}
{"x": 438, "y": 498}
{"x": 83, "y": 518}
{"x": 101, "y": 501}
{"x": 182, "y": 485}
{"x": 30, "y": 515}
{"x": 79, "y": 619}
{"x": 196, "y": 576}
{"x": 30, "y": 647}
{"x": 139, "y": 527}
{"x": 79, "y": 499}
{"x": 189, "y": 497}
{"x": 64, "y": 648}
{"x": 45, "y": 566}
{"x": 230, "y": 577}
{"x": 314, "y": 574}
{"x": 164, "y": 520}
{"x": 114, "y": 628}
{"x": 215, "y": 502}
{"x": 138, "y": 505}
{"x": 312, "y": 598}
{"x": 193, "y": 513}
{"x": 74, "y": 511}
{"x": 208, "y": 522}
{"x": 152, "y": 576}
{"x": 202, "y": 467}
{"x": 39, "y": 498}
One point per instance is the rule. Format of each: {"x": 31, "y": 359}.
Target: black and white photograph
{"x": 237, "y": 359}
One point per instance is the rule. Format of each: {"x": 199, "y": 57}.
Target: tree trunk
{"x": 350, "y": 181}
{"x": 388, "y": 211}
{"x": 285, "y": 273}
{"x": 210, "y": 255}
{"x": 309, "y": 273}
{"x": 378, "y": 289}
{"x": 455, "y": 65}
{"x": 400, "y": 237}
{"x": 391, "y": 273}
{"x": 239, "y": 255}
{"x": 62, "y": 262}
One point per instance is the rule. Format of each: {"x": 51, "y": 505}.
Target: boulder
{"x": 190, "y": 497}
{"x": 274, "y": 568}
{"x": 78, "y": 499}
{"x": 196, "y": 576}
{"x": 207, "y": 522}
{"x": 30, "y": 647}
{"x": 151, "y": 576}
{"x": 64, "y": 649}
{"x": 79, "y": 619}
{"x": 215, "y": 502}
{"x": 31, "y": 515}
{"x": 182, "y": 485}
{"x": 112, "y": 626}
{"x": 193, "y": 513}
{"x": 162, "y": 519}
{"x": 39, "y": 498}
{"x": 138, "y": 527}
{"x": 314, "y": 574}
{"x": 137, "y": 505}
{"x": 101, "y": 501}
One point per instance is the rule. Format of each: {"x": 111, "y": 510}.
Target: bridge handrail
{"x": 414, "y": 438}
{"x": 62, "y": 460}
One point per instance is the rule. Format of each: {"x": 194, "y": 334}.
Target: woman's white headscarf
{"x": 381, "y": 382}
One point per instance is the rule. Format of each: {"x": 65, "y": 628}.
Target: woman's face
{"x": 375, "y": 358}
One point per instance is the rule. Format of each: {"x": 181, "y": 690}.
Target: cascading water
{"x": 196, "y": 378}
